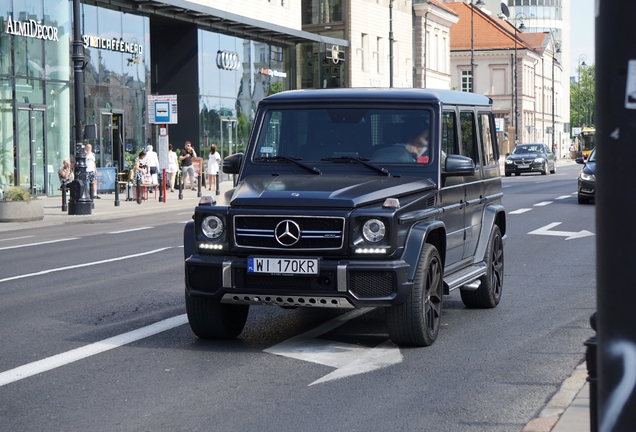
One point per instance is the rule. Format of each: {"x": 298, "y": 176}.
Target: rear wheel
{"x": 544, "y": 170}
{"x": 214, "y": 320}
{"x": 417, "y": 322}
{"x": 553, "y": 170}
{"x": 489, "y": 292}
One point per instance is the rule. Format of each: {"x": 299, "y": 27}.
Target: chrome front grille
{"x": 260, "y": 232}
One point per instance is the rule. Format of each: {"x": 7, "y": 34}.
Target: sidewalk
{"x": 104, "y": 208}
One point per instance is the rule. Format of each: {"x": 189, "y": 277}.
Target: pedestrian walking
{"x": 91, "y": 171}
{"x": 213, "y": 167}
{"x": 152, "y": 162}
{"x": 187, "y": 170}
{"x": 173, "y": 166}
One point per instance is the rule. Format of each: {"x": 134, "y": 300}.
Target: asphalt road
{"x": 66, "y": 366}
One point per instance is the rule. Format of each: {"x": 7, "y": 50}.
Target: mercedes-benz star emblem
{"x": 287, "y": 232}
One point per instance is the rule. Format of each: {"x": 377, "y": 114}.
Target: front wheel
{"x": 553, "y": 170}
{"x": 488, "y": 294}
{"x": 214, "y": 320}
{"x": 417, "y": 322}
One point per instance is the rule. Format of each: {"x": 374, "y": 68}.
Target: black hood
{"x": 327, "y": 190}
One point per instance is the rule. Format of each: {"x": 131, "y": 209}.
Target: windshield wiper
{"x": 360, "y": 160}
{"x": 293, "y": 159}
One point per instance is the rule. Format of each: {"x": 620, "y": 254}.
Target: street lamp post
{"x": 581, "y": 63}
{"x": 519, "y": 17}
{"x": 80, "y": 202}
{"x": 472, "y": 43}
{"x": 557, "y": 49}
{"x": 391, "y": 43}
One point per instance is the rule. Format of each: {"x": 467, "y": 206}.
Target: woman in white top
{"x": 173, "y": 166}
{"x": 213, "y": 167}
{"x": 91, "y": 170}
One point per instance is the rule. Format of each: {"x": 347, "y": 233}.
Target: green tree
{"x": 585, "y": 99}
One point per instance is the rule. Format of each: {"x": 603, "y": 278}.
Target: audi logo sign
{"x": 227, "y": 60}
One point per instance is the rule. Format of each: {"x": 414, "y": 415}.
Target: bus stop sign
{"x": 162, "y": 109}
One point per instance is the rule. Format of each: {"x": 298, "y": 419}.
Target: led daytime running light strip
{"x": 210, "y": 246}
{"x": 370, "y": 251}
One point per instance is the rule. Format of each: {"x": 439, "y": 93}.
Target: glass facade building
{"x": 219, "y": 79}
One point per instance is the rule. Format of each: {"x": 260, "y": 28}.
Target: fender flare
{"x": 189, "y": 240}
{"x": 491, "y": 214}
{"x": 415, "y": 241}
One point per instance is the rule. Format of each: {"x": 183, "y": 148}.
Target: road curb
{"x": 561, "y": 400}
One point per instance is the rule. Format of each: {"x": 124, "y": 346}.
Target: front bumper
{"x": 524, "y": 168}
{"x": 587, "y": 189}
{"x": 340, "y": 283}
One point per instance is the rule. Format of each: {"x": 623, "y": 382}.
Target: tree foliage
{"x": 582, "y": 97}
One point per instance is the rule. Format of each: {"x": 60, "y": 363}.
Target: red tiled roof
{"x": 490, "y": 32}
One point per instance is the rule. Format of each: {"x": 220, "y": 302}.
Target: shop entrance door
{"x": 29, "y": 166}
{"x": 229, "y": 140}
{"x": 110, "y": 150}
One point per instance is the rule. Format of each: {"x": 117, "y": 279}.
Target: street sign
{"x": 499, "y": 124}
{"x": 576, "y": 131}
{"x": 162, "y": 109}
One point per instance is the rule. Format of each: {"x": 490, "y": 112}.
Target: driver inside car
{"x": 415, "y": 150}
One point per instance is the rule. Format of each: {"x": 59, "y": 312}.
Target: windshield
{"x": 592, "y": 156}
{"x": 527, "y": 149}
{"x": 350, "y": 135}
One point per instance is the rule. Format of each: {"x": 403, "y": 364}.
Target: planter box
{"x": 21, "y": 211}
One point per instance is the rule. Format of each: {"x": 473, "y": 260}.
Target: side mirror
{"x": 457, "y": 165}
{"x": 579, "y": 160}
{"x": 507, "y": 154}
{"x": 232, "y": 163}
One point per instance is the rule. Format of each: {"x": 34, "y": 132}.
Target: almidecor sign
{"x": 31, "y": 28}
{"x": 112, "y": 44}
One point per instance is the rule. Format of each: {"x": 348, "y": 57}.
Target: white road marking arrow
{"x": 569, "y": 234}
{"x": 348, "y": 359}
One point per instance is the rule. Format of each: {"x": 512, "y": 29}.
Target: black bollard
{"x": 199, "y": 177}
{"x": 181, "y": 188}
{"x": 116, "y": 193}
{"x": 64, "y": 204}
{"x": 218, "y": 184}
{"x": 592, "y": 375}
{"x": 163, "y": 176}
{"x": 161, "y": 191}
{"x": 138, "y": 192}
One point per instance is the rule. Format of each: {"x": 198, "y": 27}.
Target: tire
{"x": 553, "y": 170}
{"x": 517, "y": 174}
{"x": 544, "y": 171}
{"x": 417, "y": 322}
{"x": 507, "y": 174}
{"x": 488, "y": 294}
{"x": 583, "y": 200}
{"x": 214, "y": 320}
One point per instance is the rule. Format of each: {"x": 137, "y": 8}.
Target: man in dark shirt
{"x": 187, "y": 170}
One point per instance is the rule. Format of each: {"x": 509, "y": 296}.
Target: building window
{"x": 467, "y": 81}
{"x": 363, "y": 45}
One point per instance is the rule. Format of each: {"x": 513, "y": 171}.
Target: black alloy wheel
{"x": 488, "y": 294}
{"x": 417, "y": 322}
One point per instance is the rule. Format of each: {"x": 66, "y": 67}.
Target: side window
{"x": 469, "y": 143}
{"x": 487, "y": 139}
{"x": 450, "y": 144}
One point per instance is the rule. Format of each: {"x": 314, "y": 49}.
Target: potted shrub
{"x": 17, "y": 205}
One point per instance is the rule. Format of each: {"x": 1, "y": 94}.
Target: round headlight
{"x": 212, "y": 227}
{"x": 373, "y": 230}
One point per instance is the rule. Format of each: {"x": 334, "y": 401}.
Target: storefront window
{"x": 6, "y": 134}
{"x": 57, "y": 128}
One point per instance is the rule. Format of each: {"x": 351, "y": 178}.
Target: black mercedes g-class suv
{"x": 349, "y": 198}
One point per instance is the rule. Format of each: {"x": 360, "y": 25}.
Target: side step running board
{"x": 466, "y": 278}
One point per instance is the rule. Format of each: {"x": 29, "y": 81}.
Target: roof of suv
{"x": 450, "y": 97}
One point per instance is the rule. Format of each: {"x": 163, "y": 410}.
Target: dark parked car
{"x": 527, "y": 158}
{"x": 350, "y": 198}
{"x": 587, "y": 178}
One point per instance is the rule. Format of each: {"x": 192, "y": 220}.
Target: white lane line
{"x": 184, "y": 222}
{"x": 182, "y": 213}
{"x": 37, "y": 244}
{"x": 544, "y": 203}
{"x": 521, "y": 210}
{"x": 68, "y": 357}
{"x": 16, "y": 238}
{"x": 130, "y": 230}
{"x": 563, "y": 197}
{"x": 43, "y": 272}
